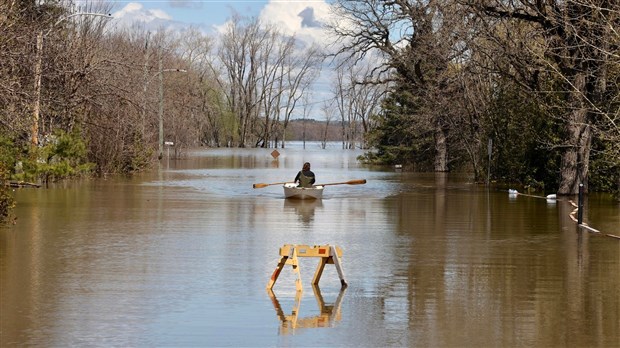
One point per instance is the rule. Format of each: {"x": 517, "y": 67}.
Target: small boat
{"x": 291, "y": 190}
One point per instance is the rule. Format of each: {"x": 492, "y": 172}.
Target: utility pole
{"x": 160, "y": 74}
{"x": 36, "y": 108}
{"x": 146, "y": 80}
{"x": 161, "y": 107}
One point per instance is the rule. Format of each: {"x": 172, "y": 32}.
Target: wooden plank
{"x": 304, "y": 250}
{"x": 319, "y": 271}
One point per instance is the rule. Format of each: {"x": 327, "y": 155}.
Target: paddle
{"x": 261, "y": 185}
{"x": 350, "y": 182}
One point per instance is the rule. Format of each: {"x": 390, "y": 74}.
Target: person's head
{"x": 306, "y": 166}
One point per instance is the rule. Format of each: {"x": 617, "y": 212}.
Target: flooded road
{"x": 181, "y": 257}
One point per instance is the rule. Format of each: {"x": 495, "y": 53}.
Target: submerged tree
{"x": 265, "y": 76}
{"x": 566, "y": 53}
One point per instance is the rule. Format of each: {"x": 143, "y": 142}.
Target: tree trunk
{"x": 441, "y": 148}
{"x": 576, "y": 158}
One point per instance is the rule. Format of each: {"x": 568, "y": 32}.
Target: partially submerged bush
{"x": 7, "y": 160}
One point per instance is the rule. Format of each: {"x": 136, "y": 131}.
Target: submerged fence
{"x": 576, "y": 215}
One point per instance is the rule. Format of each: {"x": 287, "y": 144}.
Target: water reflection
{"x": 431, "y": 260}
{"x": 304, "y": 208}
{"x": 329, "y": 313}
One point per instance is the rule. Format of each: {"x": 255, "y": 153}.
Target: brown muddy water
{"x": 181, "y": 257}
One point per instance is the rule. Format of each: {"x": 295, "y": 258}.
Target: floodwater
{"x": 181, "y": 257}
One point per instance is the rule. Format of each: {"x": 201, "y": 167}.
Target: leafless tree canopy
{"x": 125, "y": 92}
{"x": 267, "y": 76}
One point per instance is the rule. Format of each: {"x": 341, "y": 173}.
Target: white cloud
{"x": 136, "y": 13}
{"x": 301, "y": 18}
{"x": 305, "y": 20}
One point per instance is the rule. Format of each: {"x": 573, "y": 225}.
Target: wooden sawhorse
{"x": 291, "y": 252}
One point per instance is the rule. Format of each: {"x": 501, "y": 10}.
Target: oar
{"x": 261, "y": 185}
{"x": 350, "y": 182}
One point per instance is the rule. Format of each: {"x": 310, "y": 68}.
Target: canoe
{"x": 292, "y": 191}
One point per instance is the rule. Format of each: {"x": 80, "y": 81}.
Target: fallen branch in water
{"x": 22, "y": 184}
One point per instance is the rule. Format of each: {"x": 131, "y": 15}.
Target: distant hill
{"x": 314, "y": 130}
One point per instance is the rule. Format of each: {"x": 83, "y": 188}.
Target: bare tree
{"x": 266, "y": 76}
{"x": 344, "y": 103}
{"x": 417, "y": 43}
{"x": 355, "y": 102}
{"x": 302, "y": 69}
{"x": 307, "y": 109}
{"x": 17, "y": 26}
{"x": 366, "y": 98}
{"x": 234, "y": 51}
{"x": 328, "y": 114}
{"x": 203, "y": 121}
{"x": 273, "y": 83}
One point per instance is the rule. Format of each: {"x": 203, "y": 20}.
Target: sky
{"x": 299, "y": 17}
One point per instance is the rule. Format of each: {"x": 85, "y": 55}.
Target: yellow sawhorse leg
{"x": 331, "y": 259}
{"x": 292, "y": 260}
{"x": 276, "y": 272}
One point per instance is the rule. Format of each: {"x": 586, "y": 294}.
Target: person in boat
{"x": 305, "y": 177}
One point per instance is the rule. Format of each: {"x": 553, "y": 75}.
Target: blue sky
{"x": 208, "y": 14}
{"x": 201, "y": 13}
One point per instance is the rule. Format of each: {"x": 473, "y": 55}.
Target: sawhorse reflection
{"x": 328, "y": 313}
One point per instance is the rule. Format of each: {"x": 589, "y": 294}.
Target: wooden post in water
{"x": 580, "y": 205}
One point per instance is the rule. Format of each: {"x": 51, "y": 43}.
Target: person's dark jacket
{"x": 305, "y": 178}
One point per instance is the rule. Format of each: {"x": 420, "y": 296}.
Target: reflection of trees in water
{"x": 304, "y": 208}
{"x": 467, "y": 250}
